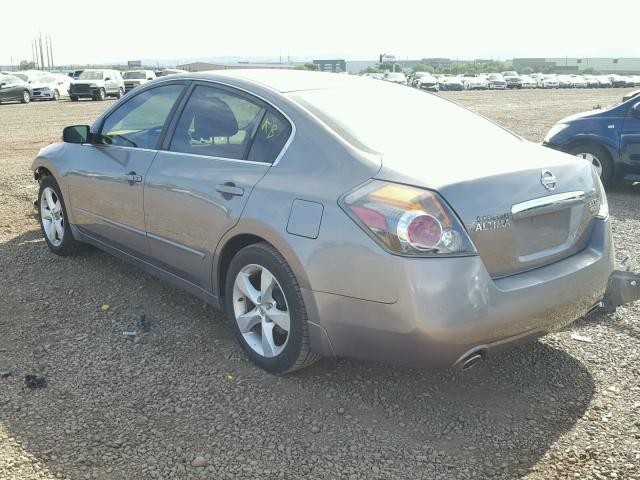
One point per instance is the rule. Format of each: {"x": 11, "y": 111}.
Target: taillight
{"x": 407, "y": 220}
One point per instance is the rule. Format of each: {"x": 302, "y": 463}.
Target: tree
{"x": 527, "y": 71}
{"x": 370, "y": 70}
{"x": 27, "y": 65}
{"x": 308, "y": 66}
{"x": 422, "y": 67}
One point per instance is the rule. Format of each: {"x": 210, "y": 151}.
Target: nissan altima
{"x": 329, "y": 215}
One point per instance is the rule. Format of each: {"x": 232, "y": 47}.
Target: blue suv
{"x": 609, "y": 138}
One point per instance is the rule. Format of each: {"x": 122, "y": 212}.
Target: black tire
{"x": 101, "y": 95}
{"x": 602, "y": 155}
{"x": 297, "y": 352}
{"x": 73, "y": 99}
{"x": 120, "y": 93}
{"x": 56, "y": 95}
{"x": 69, "y": 245}
{"x": 26, "y": 97}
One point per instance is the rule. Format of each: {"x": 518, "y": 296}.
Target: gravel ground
{"x": 179, "y": 400}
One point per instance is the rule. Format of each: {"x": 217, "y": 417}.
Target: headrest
{"x": 212, "y": 118}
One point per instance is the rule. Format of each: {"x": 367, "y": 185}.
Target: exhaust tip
{"x": 470, "y": 361}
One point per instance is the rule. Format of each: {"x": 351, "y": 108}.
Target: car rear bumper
{"x": 450, "y": 308}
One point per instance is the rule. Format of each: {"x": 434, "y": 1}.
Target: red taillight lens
{"x": 407, "y": 220}
{"x": 423, "y": 231}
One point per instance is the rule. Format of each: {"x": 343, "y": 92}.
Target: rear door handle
{"x": 132, "y": 177}
{"x": 230, "y": 189}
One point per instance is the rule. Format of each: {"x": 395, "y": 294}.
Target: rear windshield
{"x": 382, "y": 117}
{"x": 134, "y": 75}
{"x": 91, "y": 75}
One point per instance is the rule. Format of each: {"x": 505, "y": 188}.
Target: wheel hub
{"x": 263, "y": 322}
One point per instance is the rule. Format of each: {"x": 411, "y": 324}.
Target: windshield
{"x": 401, "y": 117}
{"x": 134, "y": 76}
{"x": 22, "y": 76}
{"x": 87, "y": 75}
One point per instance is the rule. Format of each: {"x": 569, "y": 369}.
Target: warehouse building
{"x": 575, "y": 65}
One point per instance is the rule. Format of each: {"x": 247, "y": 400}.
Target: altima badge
{"x": 548, "y": 180}
{"x": 492, "y": 222}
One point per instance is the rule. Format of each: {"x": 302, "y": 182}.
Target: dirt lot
{"x": 120, "y": 407}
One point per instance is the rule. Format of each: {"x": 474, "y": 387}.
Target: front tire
{"x": 56, "y": 96}
{"x": 53, "y": 219}
{"x": 73, "y": 99}
{"x": 101, "y": 95}
{"x": 26, "y": 97}
{"x": 598, "y": 157}
{"x": 265, "y": 307}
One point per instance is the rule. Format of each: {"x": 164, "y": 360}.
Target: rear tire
{"x": 264, "y": 305}
{"x": 120, "y": 93}
{"x": 599, "y": 157}
{"x": 52, "y": 214}
{"x": 74, "y": 99}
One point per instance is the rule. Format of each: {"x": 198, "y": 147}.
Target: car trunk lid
{"x": 515, "y": 222}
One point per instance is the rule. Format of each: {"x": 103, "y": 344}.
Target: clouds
{"x": 304, "y": 30}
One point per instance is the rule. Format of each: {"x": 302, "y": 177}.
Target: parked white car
{"x": 97, "y": 85}
{"x": 528, "y": 82}
{"x": 475, "y": 83}
{"x": 565, "y": 81}
{"x": 396, "y": 77}
{"x": 604, "y": 81}
{"x": 549, "y": 81}
{"x": 51, "y": 86}
{"x": 578, "y": 81}
{"x": 30, "y": 76}
{"x": 135, "y": 78}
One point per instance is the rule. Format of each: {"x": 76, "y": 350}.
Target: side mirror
{"x": 2, "y": 84}
{"x": 76, "y": 134}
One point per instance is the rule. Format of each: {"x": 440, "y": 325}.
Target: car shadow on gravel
{"x": 119, "y": 406}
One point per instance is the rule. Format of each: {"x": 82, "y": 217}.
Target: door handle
{"x": 132, "y": 177}
{"x": 230, "y": 188}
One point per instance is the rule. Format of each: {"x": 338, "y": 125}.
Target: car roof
{"x": 281, "y": 80}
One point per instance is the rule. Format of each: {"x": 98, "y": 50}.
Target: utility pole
{"x": 46, "y": 49}
{"x": 41, "y": 54}
{"x": 51, "y": 54}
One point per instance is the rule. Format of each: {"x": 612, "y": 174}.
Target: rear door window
{"x": 217, "y": 123}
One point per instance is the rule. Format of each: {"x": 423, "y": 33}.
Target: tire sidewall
{"x": 297, "y": 314}
{"x": 26, "y": 96}
{"x": 67, "y": 235}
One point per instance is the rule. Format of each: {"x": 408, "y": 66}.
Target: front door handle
{"x": 132, "y": 177}
{"x": 230, "y": 188}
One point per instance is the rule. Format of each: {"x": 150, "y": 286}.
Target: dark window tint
{"x": 139, "y": 121}
{"x": 272, "y": 134}
{"x": 216, "y": 123}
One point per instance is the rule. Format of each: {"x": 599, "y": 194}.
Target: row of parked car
{"x": 506, "y": 80}
{"x": 96, "y": 84}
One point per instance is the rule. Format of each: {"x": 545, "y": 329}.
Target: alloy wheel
{"x": 595, "y": 161}
{"x": 261, "y": 310}
{"x": 52, "y": 216}
{"x": 26, "y": 97}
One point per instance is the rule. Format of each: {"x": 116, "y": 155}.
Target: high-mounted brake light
{"x": 407, "y": 220}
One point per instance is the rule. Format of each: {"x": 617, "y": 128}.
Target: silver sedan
{"x": 331, "y": 215}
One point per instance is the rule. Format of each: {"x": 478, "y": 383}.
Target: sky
{"x": 302, "y": 30}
